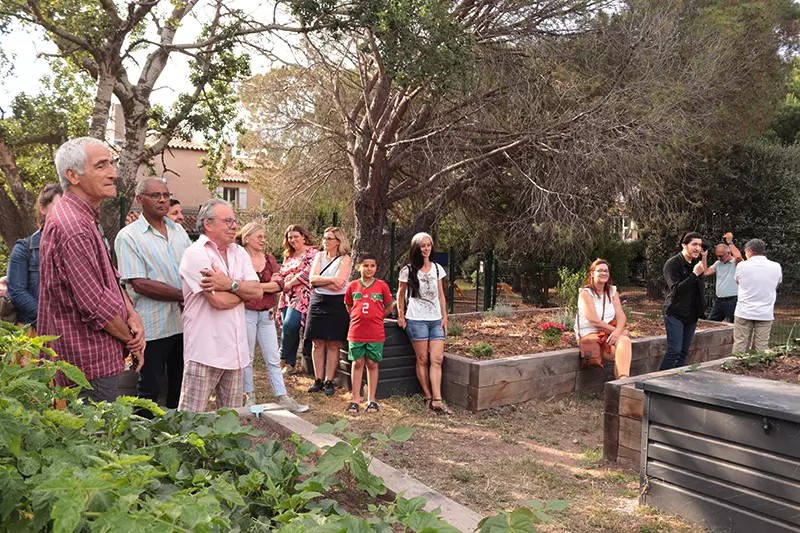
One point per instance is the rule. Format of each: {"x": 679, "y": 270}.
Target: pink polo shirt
{"x": 210, "y": 336}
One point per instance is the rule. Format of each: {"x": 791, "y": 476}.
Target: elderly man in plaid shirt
{"x": 217, "y": 277}
{"x": 80, "y": 297}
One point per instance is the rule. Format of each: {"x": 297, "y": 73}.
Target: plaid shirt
{"x": 80, "y": 292}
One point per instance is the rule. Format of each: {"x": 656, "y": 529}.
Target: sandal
{"x": 440, "y": 409}
{"x": 352, "y": 408}
{"x": 426, "y": 402}
{"x": 373, "y": 407}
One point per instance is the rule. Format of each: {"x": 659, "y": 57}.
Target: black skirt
{"x": 327, "y": 318}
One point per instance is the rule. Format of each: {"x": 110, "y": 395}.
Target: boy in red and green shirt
{"x": 368, "y": 301}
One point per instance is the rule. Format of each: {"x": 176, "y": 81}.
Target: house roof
{"x": 186, "y": 145}
{"x": 231, "y": 175}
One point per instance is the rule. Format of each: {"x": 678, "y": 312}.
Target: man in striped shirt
{"x": 80, "y": 298}
{"x": 149, "y": 253}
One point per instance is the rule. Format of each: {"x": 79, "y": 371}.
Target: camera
{"x": 706, "y": 245}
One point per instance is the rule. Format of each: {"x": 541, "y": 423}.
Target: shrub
{"x": 569, "y": 283}
{"x": 481, "y": 350}
{"x": 454, "y": 329}
{"x": 566, "y": 317}
{"x": 551, "y": 332}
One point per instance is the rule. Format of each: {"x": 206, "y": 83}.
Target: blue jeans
{"x": 290, "y": 334}
{"x": 679, "y": 339}
{"x": 424, "y": 330}
{"x": 262, "y": 328}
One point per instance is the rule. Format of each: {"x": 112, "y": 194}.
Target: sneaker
{"x": 329, "y": 391}
{"x": 289, "y": 403}
{"x": 249, "y": 399}
{"x": 317, "y": 386}
{"x": 288, "y": 370}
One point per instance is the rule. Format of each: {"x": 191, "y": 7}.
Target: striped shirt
{"x": 79, "y": 291}
{"x": 143, "y": 252}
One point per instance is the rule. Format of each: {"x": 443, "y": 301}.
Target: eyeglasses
{"x": 720, "y": 256}
{"x": 158, "y": 195}
{"x": 601, "y": 271}
{"x": 330, "y": 239}
{"x": 230, "y": 222}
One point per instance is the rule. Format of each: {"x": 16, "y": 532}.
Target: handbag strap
{"x": 578, "y": 314}
{"x": 329, "y": 264}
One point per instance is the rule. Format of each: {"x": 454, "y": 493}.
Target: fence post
{"x": 478, "y": 284}
{"x": 335, "y": 218}
{"x": 494, "y": 292}
{"x": 488, "y": 280}
{"x": 392, "y": 279}
{"x": 452, "y": 295}
{"x": 123, "y": 211}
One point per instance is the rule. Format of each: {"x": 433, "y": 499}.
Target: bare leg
{"x": 622, "y": 357}
{"x": 318, "y": 357}
{"x": 421, "y": 350}
{"x": 356, "y": 373}
{"x": 372, "y": 378}
{"x": 437, "y": 356}
{"x": 331, "y": 359}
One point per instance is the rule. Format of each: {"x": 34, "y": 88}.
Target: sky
{"x": 25, "y": 46}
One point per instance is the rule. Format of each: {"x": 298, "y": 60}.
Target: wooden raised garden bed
{"x": 478, "y": 385}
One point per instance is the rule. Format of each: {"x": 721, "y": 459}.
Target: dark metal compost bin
{"x": 723, "y": 450}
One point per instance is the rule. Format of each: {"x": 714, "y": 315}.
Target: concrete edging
{"x": 286, "y": 423}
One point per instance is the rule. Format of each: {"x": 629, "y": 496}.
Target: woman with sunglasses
{"x": 328, "y": 319}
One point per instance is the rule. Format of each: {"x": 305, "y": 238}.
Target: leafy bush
{"x": 454, "y": 329}
{"x": 99, "y": 467}
{"x": 569, "y": 284}
{"x": 481, "y": 350}
{"x": 752, "y": 359}
{"x": 566, "y": 317}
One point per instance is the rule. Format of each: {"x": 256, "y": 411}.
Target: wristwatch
{"x": 234, "y": 286}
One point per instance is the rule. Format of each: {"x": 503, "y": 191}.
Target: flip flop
{"x": 373, "y": 407}
{"x": 352, "y": 408}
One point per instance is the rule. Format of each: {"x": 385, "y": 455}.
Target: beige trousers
{"x": 749, "y": 334}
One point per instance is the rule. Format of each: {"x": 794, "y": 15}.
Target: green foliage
{"x": 523, "y": 519}
{"x": 100, "y": 467}
{"x": 482, "y": 350}
{"x": 418, "y": 41}
{"x": 752, "y": 359}
{"x": 618, "y": 253}
{"x": 354, "y": 455}
{"x": 454, "y": 329}
{"x": 569, "y": 284}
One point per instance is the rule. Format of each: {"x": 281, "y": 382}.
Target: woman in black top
{"x": 683, "y": 304}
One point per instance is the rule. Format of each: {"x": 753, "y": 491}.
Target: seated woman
{"x": 600, "y": 317}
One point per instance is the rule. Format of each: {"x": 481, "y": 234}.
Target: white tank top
{"x": 330, "y": 272}
{"x": 583, "y": 324}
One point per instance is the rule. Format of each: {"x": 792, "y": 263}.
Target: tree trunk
{"x": 17, "y": 214}
{"x": 372, "y": 233}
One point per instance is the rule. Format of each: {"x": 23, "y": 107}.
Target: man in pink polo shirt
{"x": 217, "y": 277}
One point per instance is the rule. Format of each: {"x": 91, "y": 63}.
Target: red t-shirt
{"x": 366, "y": 316}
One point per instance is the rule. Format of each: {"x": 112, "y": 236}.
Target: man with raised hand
{"x": 217, "y": 277}
{"x": 149, "y": 252}
{"x": 80, "y": 297}
{"x": 728, "y": 256}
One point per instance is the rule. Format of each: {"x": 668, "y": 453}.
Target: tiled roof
{"x": 231, "y": 175}
{"x": 186, "y": 145}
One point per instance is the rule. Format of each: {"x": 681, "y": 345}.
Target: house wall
{"x": 185, "y": 178}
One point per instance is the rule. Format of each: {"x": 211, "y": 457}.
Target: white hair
{"x": 207, "y": 213}
{"x": 72, "y": 155}
{"x": 419, "y": 236}
{"x": 141, "y": 187}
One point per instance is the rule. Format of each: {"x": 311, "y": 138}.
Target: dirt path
{"x": 499, "y": 459}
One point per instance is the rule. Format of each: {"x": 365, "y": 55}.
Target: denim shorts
{"x": 424, "y": 330}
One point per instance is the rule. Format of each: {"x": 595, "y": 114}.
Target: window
{"x": 231, "y": 194}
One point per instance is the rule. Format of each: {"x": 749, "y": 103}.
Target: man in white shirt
{"x": 758, "y": 279}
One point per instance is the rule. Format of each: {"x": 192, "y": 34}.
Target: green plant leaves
{"x": 401, "y": 433}
{"x": 67, "y": 510}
